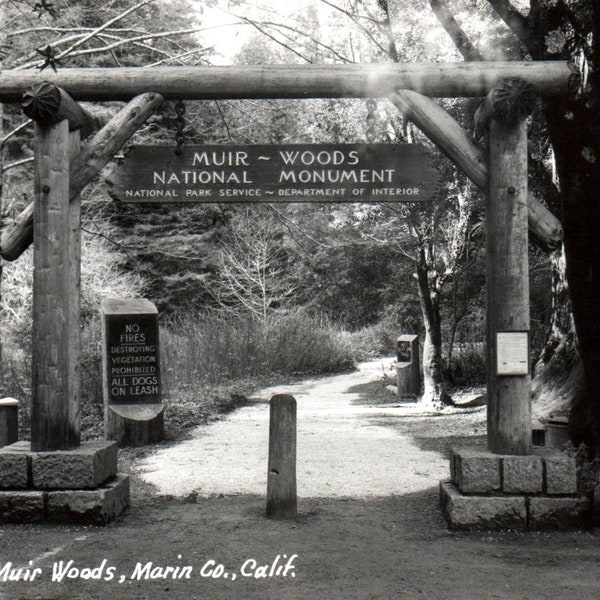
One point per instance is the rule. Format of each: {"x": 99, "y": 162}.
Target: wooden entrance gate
{"x": 62, "y": 170}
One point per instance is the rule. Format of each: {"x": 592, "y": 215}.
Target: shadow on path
{"x": 393, "y": 547}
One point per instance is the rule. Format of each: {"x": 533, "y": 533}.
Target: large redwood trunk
{"x": 573, "y": 124}
{"x": 573, "y": 129}
{"x": 558, "y": 372}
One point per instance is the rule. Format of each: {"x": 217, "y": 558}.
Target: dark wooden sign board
{"x": 131, "y": 354}
{"x": 275, "y": 173}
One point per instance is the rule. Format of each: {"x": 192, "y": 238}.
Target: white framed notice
{"x": 512, "y": 353}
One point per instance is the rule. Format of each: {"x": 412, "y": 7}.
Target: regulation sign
{"x": 275, "y": 173}
{"x": 131, "y": 356}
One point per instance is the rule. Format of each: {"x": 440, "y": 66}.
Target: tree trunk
{"x": 573, "y": 123}
{"x": 577, "y": 152}
{"x": 434, "y": 385}
{"x": 558, "y": 372}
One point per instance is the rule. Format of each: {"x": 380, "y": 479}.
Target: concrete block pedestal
{"x": 79, "y": 485}
{"x": 491, "y": 491}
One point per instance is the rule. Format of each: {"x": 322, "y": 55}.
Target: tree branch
{"x": 355, "y": 18}
{"x": 103, "y": 27}
{"x": 93, "y": 33}
{"x": 270, "y": 36}
{"x": 177, "y": 57}
{"x": 117, "y": 44}
{"x": 16, "y": 130}
{"x": 454, "y": 30}
{"x": 17, "y": 163}
{"x": 518, "y": 24}
{"x": 310, "y": 38}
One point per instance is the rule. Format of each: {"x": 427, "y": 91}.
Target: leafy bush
{"x": 468, "y": 364}
{"x": 377, "y": 340}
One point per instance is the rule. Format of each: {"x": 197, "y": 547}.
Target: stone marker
{"x": 9, "y": 421}
{"x": 133, "y": 408}
{"x": 408, "y": 367}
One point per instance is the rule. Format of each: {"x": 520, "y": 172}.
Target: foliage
{"x": 102, "y": 277}
{"x": 378, "y": 339}
{"x": 354, "y": 264}
{"x": 211, "y": 349}
{"x": 253, "y": 265}
{"x": 84, "y": 33}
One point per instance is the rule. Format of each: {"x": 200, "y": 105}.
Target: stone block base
{"x": 533, "y": 492}
{"x": 22, "y": 506}
{"x": 91, "y": 507}
{"x": 84, "y": 467}
{"x": 470, "y": 512}
{"x": 478, "y": 513}
{"x": 97, "y": 507}
{"x": 545, "y": 471}
{"x": 79, "y": 485}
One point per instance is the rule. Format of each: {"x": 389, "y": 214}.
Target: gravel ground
{"x": 346, "y": 448}
{"x": 369, "y": 524}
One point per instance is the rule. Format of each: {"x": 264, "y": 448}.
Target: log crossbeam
{"x": 472, "y": 79}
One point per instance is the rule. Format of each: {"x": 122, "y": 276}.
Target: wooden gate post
{"x": 507, "y": 269}
{"x": 17, "y": 236}
{"x": 73, "y": 300}
{"x": 281, "y": 481}
{"x": 61, "y": 171}
{"x": 51, "y": 275}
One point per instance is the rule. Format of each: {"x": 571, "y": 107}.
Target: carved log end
{"x": 48, "y": 104}
{"x": 512, "y": 99}
{"x": 509, "y": 101}
{"x": 42, "y": 103}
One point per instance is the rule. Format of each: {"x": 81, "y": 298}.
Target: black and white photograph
{"x": 299, "y": 300}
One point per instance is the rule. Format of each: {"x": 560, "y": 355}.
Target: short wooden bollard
{"x": 9, "y": 421}
{"x": 282, "y": 499}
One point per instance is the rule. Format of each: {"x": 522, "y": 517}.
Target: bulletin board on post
{"x": 512, "y": 353}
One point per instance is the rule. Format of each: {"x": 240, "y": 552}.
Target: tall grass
{"x": 198, "y": 353}
{"x": 213, "y": 350}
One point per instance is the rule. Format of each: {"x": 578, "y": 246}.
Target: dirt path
{"x": 385, "y": 540}
{"x": 343, "y": 449}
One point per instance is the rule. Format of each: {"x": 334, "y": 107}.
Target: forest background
{"x": 246, "y": 292}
